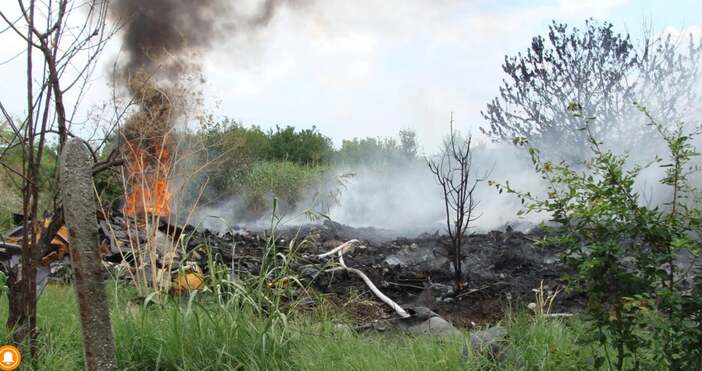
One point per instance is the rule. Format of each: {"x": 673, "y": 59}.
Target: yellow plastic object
{"x": 280, "y": 283}
{"x": 185, "y": 282}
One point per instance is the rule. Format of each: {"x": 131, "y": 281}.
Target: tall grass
{"x": 201, "y": 337}
{"x": 538, "y": 343}
{"x": 286, "y": 180}
{"x": 200, "y": 333}
{"x": 177, "y": 335}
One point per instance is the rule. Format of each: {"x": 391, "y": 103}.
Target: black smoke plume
{"x": 164, "y": 41}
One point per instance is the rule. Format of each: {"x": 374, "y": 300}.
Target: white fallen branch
{"x": 340, "y": 250}
{"x": 343, "y": 248}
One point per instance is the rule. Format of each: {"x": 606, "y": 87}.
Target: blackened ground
{"x": 501, "y": 269}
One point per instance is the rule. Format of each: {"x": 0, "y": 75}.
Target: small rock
{"x": 307, "y": 302}
{"x": 490, "y": 340}
{"x": 310, "y": 271}
{"x": 393, "y": 261}
{"x": 434, "y": 326}
{"x": 424, "y": 321}
{"x": 443, "y": 290}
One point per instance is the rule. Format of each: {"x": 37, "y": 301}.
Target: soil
{"x": 501, "y": 270}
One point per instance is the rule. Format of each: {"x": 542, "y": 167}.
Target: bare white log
{"x": 344, "y": 248}
{"x": 340, "y": 250}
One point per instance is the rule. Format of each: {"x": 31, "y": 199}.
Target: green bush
{"x": 284, "y": 180}
{"x": 624, "y": 253}
{"x": 306, "y": 147}
{"x": 11, "y": 182}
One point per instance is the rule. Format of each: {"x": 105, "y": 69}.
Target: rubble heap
{"x": 500, "y": 266}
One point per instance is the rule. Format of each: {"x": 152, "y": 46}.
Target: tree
{"x": 408, "y": 143}
{"x": 601, "y": 72}
{"x": 453, "y": 169}
{"x": 305, "y": 147}
{"x": 379, "y": 152}
{"x": 61, "y": 52}
{"x": 232, "y": 148}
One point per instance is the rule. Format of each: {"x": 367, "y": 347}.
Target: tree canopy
{"x": 603, "y": 74}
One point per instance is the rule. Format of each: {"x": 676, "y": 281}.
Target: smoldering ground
{"x": 403, "y": 196}
{"x": 406, "y": 198}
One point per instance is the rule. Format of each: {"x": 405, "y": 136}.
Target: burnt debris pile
{"x": 500, "y": 266}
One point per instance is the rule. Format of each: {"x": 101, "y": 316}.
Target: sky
{"x": 371, "y": 68}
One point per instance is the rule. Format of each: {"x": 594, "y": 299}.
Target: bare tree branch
{"x": 453, "y": 172}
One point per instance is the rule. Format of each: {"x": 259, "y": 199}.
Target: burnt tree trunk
{"x": 79, "y": 206}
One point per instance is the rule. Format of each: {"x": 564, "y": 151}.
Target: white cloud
{"x": 681, "y": 33}
{"x": 370, "y": 68}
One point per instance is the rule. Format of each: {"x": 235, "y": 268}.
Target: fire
{"x": 148, "y": 170}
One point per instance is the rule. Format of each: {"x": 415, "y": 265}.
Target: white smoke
{"x": 408, "y": 199}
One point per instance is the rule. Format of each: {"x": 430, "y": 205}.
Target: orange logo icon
{"x": 10, "y": 358}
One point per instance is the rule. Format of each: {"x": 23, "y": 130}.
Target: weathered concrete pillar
{"x": 79, "y": 208}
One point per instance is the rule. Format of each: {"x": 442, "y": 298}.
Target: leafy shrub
{"x": 624, "y": 253}
{"x": 11, "y": 182}
{"x": 283, "y": 180}
{"x": 306, "y": 147}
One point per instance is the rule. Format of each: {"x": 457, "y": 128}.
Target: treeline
{"x": 299, "y": 167}
{"x": 254, "y": 165}
{"x": 307, "y": 147}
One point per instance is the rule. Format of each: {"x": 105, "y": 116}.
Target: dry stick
{"x": 344, "y": 248}
{"x": 76, "y": 183}
{"x": 340, "y": 250}
{"x": 136, "y": 253}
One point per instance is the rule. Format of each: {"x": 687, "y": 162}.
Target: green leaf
{"x": 599, "y": 362}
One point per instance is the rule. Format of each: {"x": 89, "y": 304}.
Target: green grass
{"x": 548, "y": 344}
{"x": 332, "y": 349}
{"x": 203, "y": 334}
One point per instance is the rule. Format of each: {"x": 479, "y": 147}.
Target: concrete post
{"x": 79, "y": 208}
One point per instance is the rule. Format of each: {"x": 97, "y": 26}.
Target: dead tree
{"x": 60, "y": 53}
{"x": 453, "y": 169}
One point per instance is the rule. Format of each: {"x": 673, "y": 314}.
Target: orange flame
{"x": 148, "y": 181}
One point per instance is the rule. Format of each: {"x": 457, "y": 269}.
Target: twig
{"x": 473, "y": 291}
{"x": 406, "y": 285}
